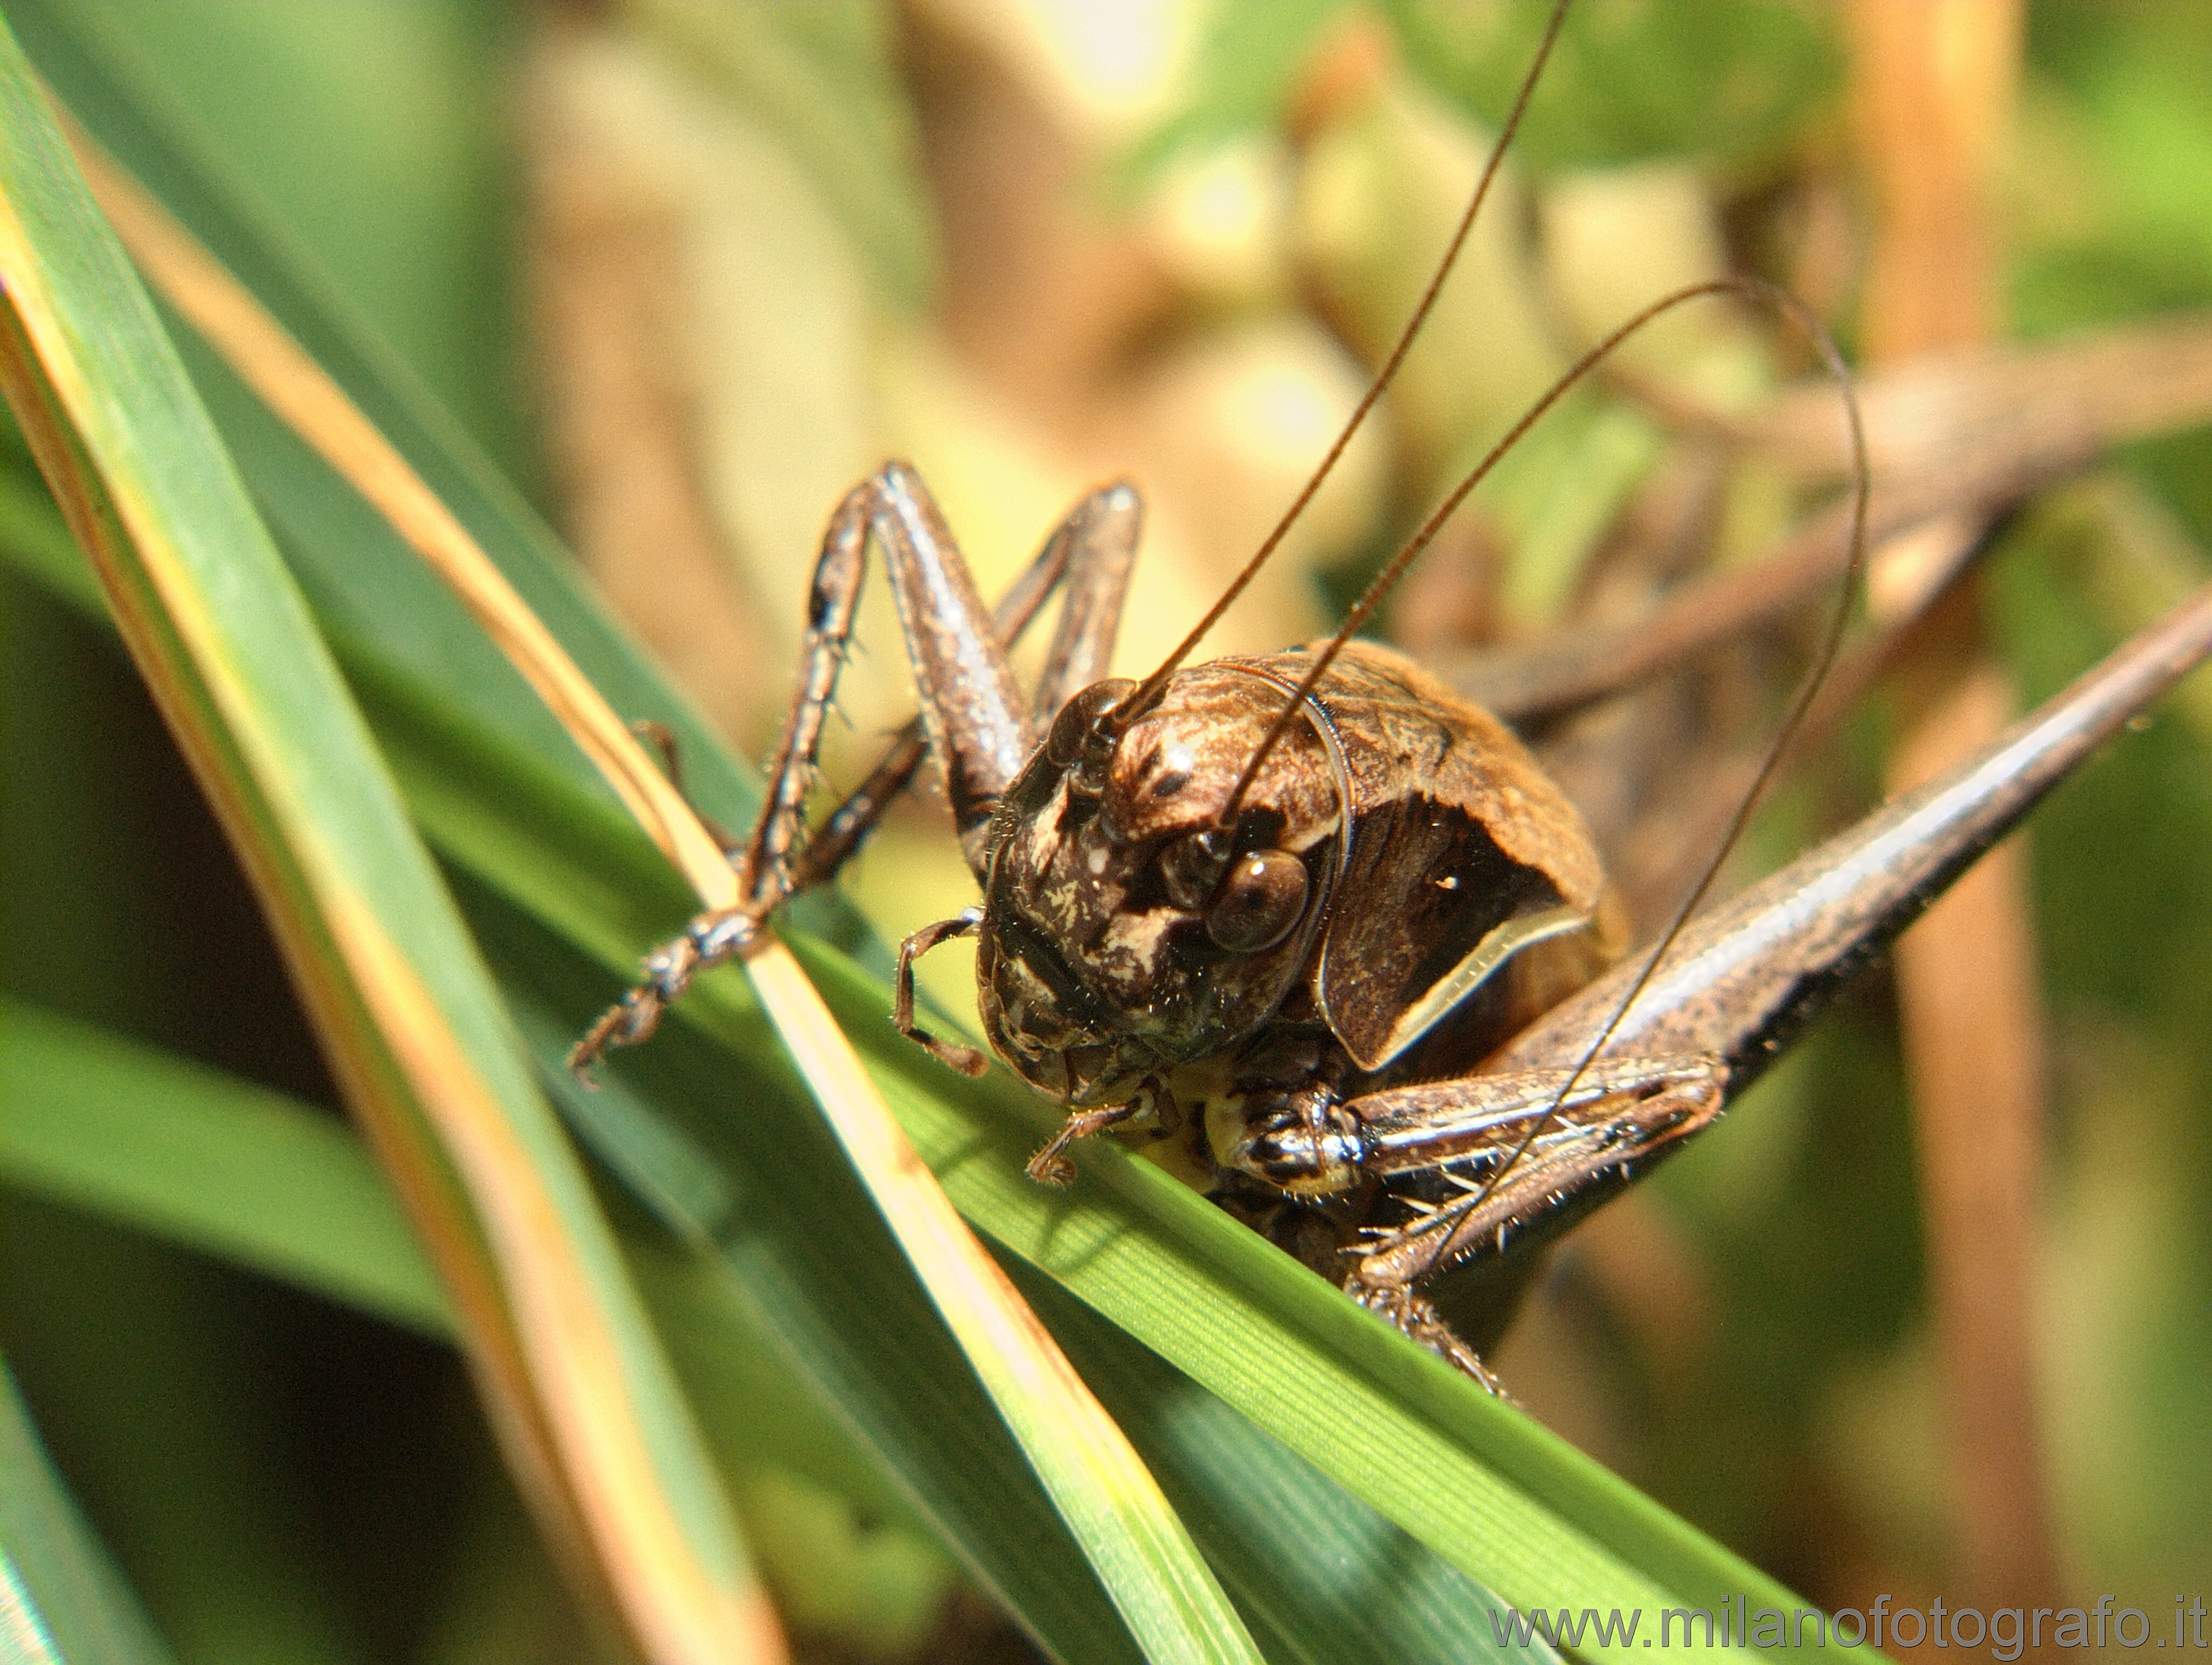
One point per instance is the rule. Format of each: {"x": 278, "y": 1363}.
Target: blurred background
{"x": 689, "y": 270}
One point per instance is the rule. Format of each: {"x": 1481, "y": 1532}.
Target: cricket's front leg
{"x": 1090, "y": 554}
{"x": 978, "y": 726}
{"x": 970, "y": 707}
{"x": 763, "y": 863}
{"x": 1087, "y": 560}
{"x": 971, "y": 711}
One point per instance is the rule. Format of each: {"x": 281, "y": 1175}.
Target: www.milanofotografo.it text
{"x": 2004, "y": 1633}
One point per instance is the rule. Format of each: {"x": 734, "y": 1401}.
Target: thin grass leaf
{"x": 60, "y": 1598}
{"x": 470, "y": 737}
{"x": 208, "y": 1161}
{"x": 413, "y": 1030}
{"x": 239, "y": 1171}
{"x": 1143, "y": 1554}
{"x": 1320, "y": 1575}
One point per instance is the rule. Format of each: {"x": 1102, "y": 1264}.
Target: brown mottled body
{"x": 1427, "y": 844}
{"x": 1314, "y": 997}
{"x": 1291, "y": 920}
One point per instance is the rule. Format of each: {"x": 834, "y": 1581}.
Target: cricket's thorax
{"x": 1396, "y": 849}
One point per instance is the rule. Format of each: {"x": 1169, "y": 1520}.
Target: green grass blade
{"x": 1319, "y": 1575}
{"x": 235, "y": 1170}
{"x": 466, "y": 776}
{"x": 210, "y": 1161}
{"x": 238, "y": 1172}
{"x": 60, "y": 1598}
{"x": 224, "y": 641}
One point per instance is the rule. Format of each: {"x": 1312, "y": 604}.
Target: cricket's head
{"x": 1125, "y": 933}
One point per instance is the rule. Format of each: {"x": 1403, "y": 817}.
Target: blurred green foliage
{"x": 1734, "y": 83}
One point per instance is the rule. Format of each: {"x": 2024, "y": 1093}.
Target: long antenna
{"x": 1831, "y": 643}
{"x": 1371, "y": 597}
{"x": 1147, "y": 693}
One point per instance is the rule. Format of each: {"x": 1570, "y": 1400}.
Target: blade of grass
{"x": 1330, "y": 1577}
{"x": 413, "y": 1030}
{"x": 236, "y": 1170}
{"x": 1145, "y": 1559}
{"x": 867, "y": 1359}
{"x": 60, "y": 1598}
{"x": 223, "y": 1166}
{"x": 210, "y": 1161}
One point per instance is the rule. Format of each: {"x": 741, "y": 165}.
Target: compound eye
{"x": 1261, "y": 899}
{"x": 1075, "y": 735}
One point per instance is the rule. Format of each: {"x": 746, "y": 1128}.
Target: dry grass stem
{"x": 1934, "y": 84}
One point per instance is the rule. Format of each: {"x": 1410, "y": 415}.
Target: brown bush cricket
{"x": 1311, "y": 924}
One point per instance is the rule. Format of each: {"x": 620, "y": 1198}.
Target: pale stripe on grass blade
{"x": 414, "y": 1031}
